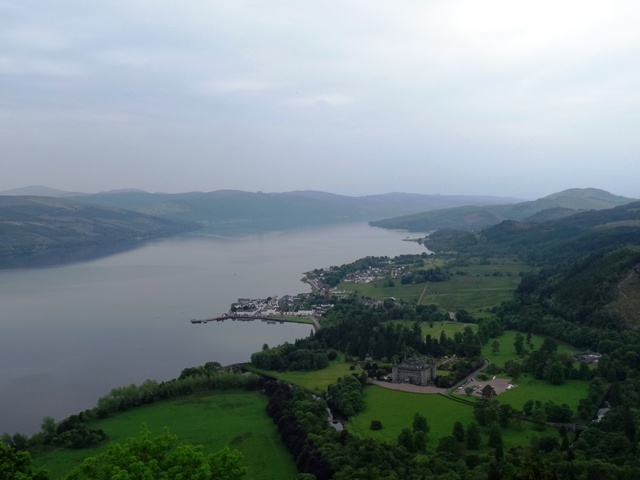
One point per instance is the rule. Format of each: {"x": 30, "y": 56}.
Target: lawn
{"x": 508, "y": 352}
{"x": 529, "y": 388}
{"x": 396, "y": 409}
{"x": 237, "y": 419}
{"x": 315, "y": 381}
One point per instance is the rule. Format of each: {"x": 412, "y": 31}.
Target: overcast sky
{"x": 352, "y": 97}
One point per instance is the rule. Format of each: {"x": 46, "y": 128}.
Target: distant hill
{"x": 40, "y": 191}
{"x": 473, "y": 217}
{"x": 34, "y": 226}
{"x": 550, "y": 241}
{"x": 234, "y": 210}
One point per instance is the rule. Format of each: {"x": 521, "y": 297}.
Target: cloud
{"x": 38, "y": 67}
{"x": 235, "y": 86}
{"x": 328, "y": 100}
{"x": 36, "y": 38}
{"x": 420, "y": 82}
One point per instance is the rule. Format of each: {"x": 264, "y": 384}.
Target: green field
{"x": 529, "y": 388}
{"x": 396, "y": 409}
{"x": 315, "y": 381}
{"x": 237, "y": 419}
{"x": 474, "y": 287}
{"x": 378, "y": 291}
{"x": 481, "y": 287}
{"x": 508, "y": 352}
{"x": 450, "y": 328}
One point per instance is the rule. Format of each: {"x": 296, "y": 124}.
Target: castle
{"x": 415, "y": 371}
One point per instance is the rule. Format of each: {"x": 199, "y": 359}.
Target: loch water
{"x": 71, "y": 333}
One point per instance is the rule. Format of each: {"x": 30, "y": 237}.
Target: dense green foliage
{"x": 158, "y": 458}
{"x": 16, "y": 465}
{"x": 346, "y": 395}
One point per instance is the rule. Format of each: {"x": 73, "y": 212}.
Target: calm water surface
{"x": 71, "y": 333}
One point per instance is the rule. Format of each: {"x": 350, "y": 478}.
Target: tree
{"x": 549, "y": 345}
{"x": 458, "y": 431}
{"x": 150, "y": 457}
{"x": 529, "y": 341}
{"x": 17, "y": 465}
{"x": 488, "y": 392}
{"x": 375, "y": 425}
{"x": 468, "y": 391}
{"x": 473, "y": 439}
{"x": 48, "y": 428}
{"x": 554, "y": 373}
{"x": 420, "y": 423}
{"x": 505, "y": 412}
{"x": 518, "y": 344}
{"x": 495, "y": 436}
{"x": 405, "y": 439}
{"x": 539, "y": 419}
{"x": 495, "y": 346}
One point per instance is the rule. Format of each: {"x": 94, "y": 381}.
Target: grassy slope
{"x": 508, "y": 352}
{"x": 315, "y": 381}
{"x": 237, "y": 419}
{"x": 476, "y": 291}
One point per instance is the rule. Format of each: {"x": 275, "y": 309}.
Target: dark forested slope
{"x": 32, "y": 225}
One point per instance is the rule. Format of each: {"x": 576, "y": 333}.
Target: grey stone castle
{"x": 415, "y": 371}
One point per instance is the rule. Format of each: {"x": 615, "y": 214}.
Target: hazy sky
{"x": 353, "y": 97}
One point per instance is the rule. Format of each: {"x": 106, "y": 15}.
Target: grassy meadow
{"x": 315, "y": 381}
{"x": 474, "y": 286}
{"x": 529, "y": 388}
{"x": 237, "y": 419}
{"x": 508, "y": 352}
{"x": 449, "y": 328}
{"x": 395, "y": 410}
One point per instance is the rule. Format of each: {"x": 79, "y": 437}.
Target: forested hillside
{"x": 32, "y": 227}
{"x": 469, "y": 217}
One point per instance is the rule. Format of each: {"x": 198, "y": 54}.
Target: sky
{"x": 353, "y": 97}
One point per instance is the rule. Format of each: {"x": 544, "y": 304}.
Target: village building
{"x": 415, "y": 371}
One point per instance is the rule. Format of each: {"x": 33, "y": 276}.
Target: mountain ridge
{"x": 472, "y": 218}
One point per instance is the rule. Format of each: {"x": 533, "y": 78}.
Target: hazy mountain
{"x": 472, "y": 217}
{"x": 257, "y": 211}
{"x": 40, "y": 191}
{"x": 32, "y": 225}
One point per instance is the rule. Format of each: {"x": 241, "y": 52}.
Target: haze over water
{"x": 72, "y": 333}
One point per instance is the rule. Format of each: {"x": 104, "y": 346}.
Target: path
{"x": 485, "y": 364}
{"x": 424, "y": 290}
